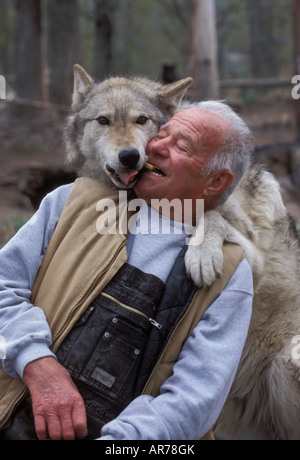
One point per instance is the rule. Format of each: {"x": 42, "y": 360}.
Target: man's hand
{"x": 58, "y": 408}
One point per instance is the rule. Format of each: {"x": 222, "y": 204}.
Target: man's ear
{"x": 217, "y": 183}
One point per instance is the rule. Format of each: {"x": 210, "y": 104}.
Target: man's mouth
{"x": 129, "y": 178}
{"x": 153, "y": 170}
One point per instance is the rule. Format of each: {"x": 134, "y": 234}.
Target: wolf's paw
{"x": 204, "y": 263}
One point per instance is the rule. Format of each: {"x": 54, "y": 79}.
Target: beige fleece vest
{"x": 79, "y": 261}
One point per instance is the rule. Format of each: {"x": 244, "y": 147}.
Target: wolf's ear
{"x": 82, "y": 83}
{"x": 172, "y": 94}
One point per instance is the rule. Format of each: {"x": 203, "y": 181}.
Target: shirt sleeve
{"x": 191, "y": 400}
{"x": 24, "y": 329}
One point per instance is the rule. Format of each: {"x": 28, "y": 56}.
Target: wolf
{"x": 112, "y": 122}
{"x": 106, "y": 135}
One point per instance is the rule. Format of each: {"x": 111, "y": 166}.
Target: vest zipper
{"x": 134, "y": 310}
{"x": 92, "y": 288}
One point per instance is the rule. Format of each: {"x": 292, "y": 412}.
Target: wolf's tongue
{"x": 127, "y": 177}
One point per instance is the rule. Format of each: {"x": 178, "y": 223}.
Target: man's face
{"x": 179, "y": 152}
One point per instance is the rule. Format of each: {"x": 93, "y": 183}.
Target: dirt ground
{"x": 31, "y": 139}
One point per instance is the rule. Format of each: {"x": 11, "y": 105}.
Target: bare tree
{"x": 203, "y": 55}
{"x": 296, "y": 11}
{"x": 29, "y": 74}
{"x": 263, "y": 38}
{"x": 6, "y": 50}
{"x": 104, "y": 10}
{"x": 64, "y": 50}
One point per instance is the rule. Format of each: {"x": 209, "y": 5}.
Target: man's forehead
{"x": 180, "y": 133}
{"x": 197, "y": 117}
{"x": 199, "y": 125}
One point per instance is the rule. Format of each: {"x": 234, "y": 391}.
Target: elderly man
{"x": 137, "y": 351}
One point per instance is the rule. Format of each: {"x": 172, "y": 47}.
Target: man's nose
{"x": 159, "y": 146}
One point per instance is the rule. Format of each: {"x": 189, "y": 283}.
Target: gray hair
{"x": 236, "y": 151}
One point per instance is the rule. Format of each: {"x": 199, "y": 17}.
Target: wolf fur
{"x": 264, "y": 401}
{"x": 122, "y": 114}
{"x": 112, "y": 122}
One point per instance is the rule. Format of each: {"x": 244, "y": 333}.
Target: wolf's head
{"x": 112, "y": 122}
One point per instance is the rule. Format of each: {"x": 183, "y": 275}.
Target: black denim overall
{"x": 104, "y": 351}
{"x": 113, "y": 348}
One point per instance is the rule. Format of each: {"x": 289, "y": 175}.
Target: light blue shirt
{"x": 190, "y": 401}
{"x": 155, "y": 243}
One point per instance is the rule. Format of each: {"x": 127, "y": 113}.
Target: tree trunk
{"x": 103, "y": 37}
{"x": 29, "y": 72}
{"x": 64, "y": 48}
{"x": 263, "y": 39}
{"x": 203, "y": 55}
{"x": 5, "y": 27}
{"x": 296, "y": 11}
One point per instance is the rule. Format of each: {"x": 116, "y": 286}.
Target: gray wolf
{"x": 106, "y": 137}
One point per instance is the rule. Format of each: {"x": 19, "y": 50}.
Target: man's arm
{"x": 190, "y": 401}
{"x": 23, "y": 326}
{"x": 58, "y": 408}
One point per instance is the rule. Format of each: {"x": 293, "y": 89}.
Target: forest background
{"x": 42, "y": 39}
{"x": 252, "y": 48}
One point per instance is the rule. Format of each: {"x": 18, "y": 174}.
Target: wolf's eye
{"x": 141, "y": 120}
{"x": 103, "y": 121}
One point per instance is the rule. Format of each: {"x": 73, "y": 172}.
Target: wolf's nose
{"x": 129, "y": 158}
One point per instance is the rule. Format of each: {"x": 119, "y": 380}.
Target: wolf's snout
{"x": 129, "y": 158}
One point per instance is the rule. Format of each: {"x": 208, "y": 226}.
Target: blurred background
{"x": 243, "y": 51}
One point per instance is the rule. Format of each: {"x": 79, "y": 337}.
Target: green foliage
{"x": 250, "y": 98}
{"x": 150, "y": 33}
{"x": 9, "y": 227}
{"x": 255, "y": 37}
{"x": 258, "y": 33}
{"x": 147, "y": 34}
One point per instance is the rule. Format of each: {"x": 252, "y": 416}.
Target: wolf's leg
{"x": 204, "y": 256}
